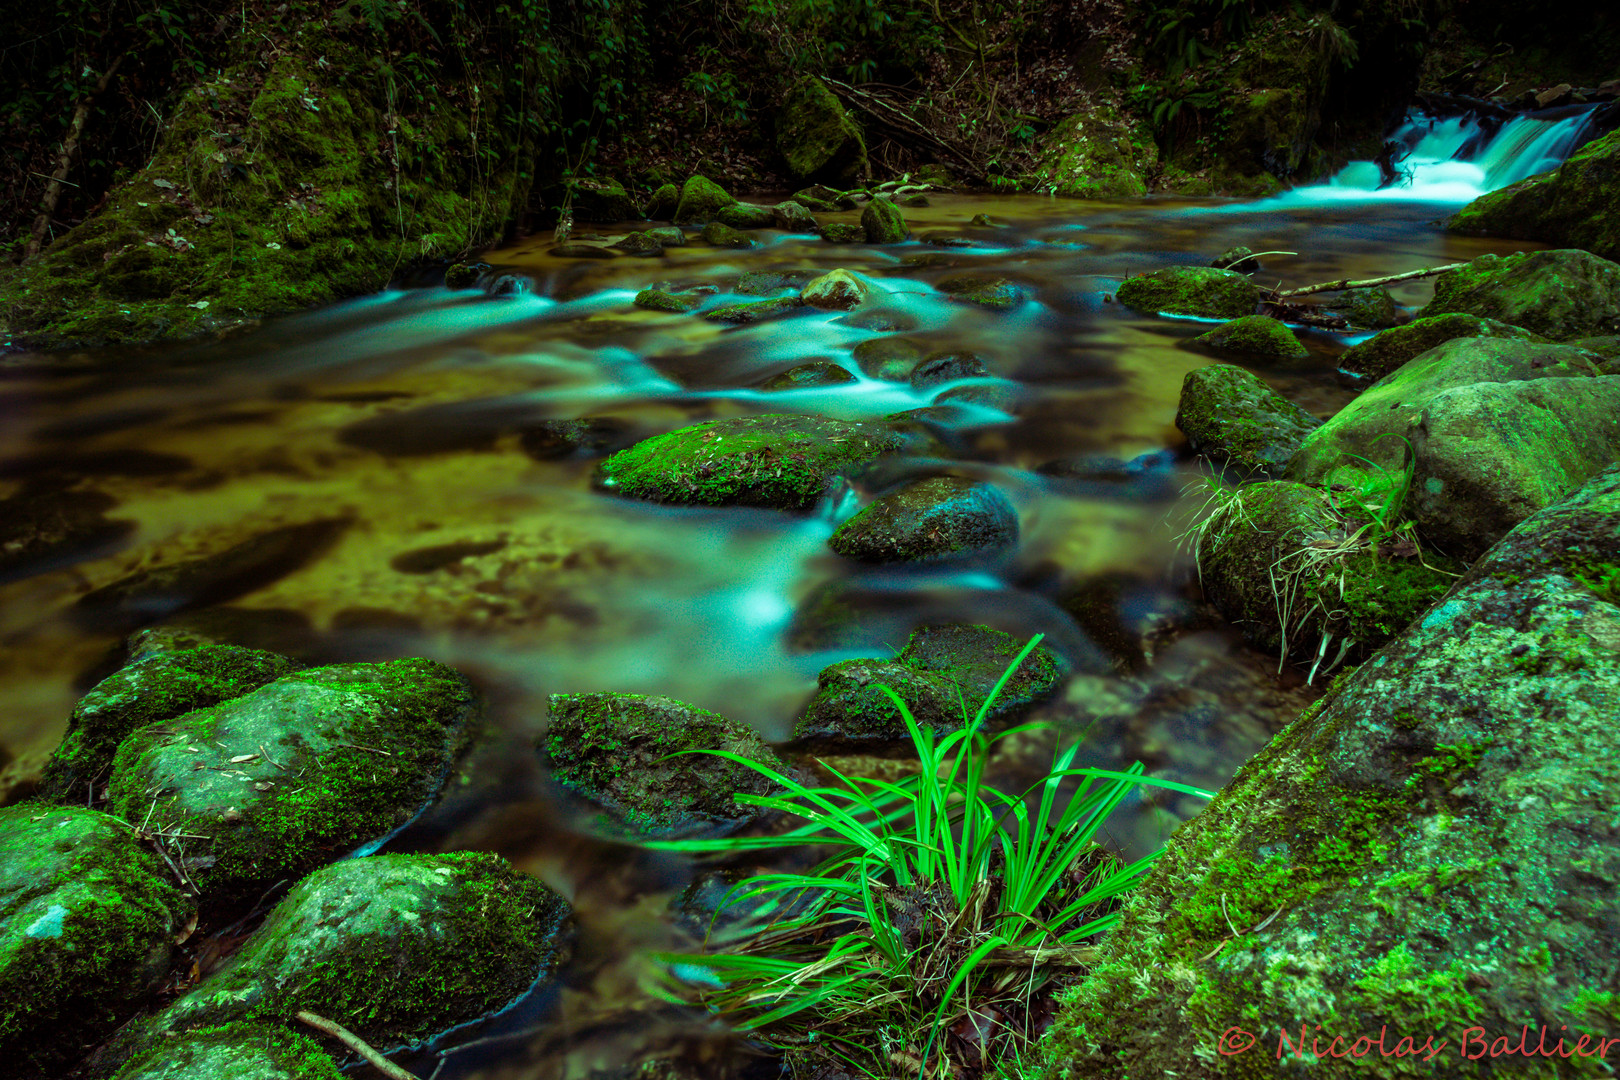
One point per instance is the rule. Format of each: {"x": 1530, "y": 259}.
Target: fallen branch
{"x": 64, "y": 161}
{"x": 357, "y": 1044}
{"x": 1368, "y": 283}
{"x": 901, "y": 125}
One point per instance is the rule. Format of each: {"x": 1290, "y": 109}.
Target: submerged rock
{"x": 817, "y": 137}
{"x": 641, "y": 242}
{"x": 721, "y": 235}
{"x": 241, "y": 1051}
{"x": 942, "y": 517}
{"x": 996, "y": 293}
{"x": 41, "y": 530}
{"x": 887, "y": 358}
{"x": 1572, "y": 206}
{"x": 1231, "y": 416}
{"x": 1200, "y": 291}
{"x": 836, "y": 290}
{"x": 161, "y": 687}
{"x": 766, "y": 282}
{"x": 883, "y": 223}
{"x": 942, "y": 672}
{"x": 701, "y": 201}
{"x": 465, "y": 275}
{"x": 552, "y": 439}
{"x": 1461, "y": 781}
{"x": 843, "y": 232}
{"x": 299, "y": 772}
{"x": 1558, "y": 294}
{"x": 1257, "y": 336}
{"x": 629, "y": 752}
{"x": 793, "y": 217}
{"x": 939, "y": 368}
{"x": 782, "y": 462}
{"x": 88, "y": 918}
{"x": 1389, "y": 349}
{"x": 819, "y": 373}
{"x": 397, "y": 948}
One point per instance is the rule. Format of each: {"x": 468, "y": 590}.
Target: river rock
{"x": 668, "y": 235}
{"x": 1559, "y": 294}
{"x": 1258, "y": 336}
{"x": 1001, "y": 395}
{"x": 802, "y": 376}
{"x": 887, "y": 358}
{"x": 465, "y": 275}
{"x": 767, "y": 282}
{"x": 550, "y": 440}
{"x": 1200, "y": 291}
{"x": 722, "y": 235}
{"x": 640, "y": 242}
{"x": 939, "y": 368}
{"x": 778, "y": 461}
{"x": 241, "y": 1051}
{"x": 88, "y": 918}
{"x": 883, "y": 223}
{"x": 817, "y": 137}
{"x": 298, "y": 772}
{"x": 1462, "y": 781}
{"x": 161, "y": 687}
{"x": 1231, "y": 416}
{"x": 661, "y": 204}
{"x": 1240, "y": 259}
{"x": 943, "y": 517}
{"x": 396, "y": 948}
{"x": 793, "y": 217}
{"x": 996, "y": 293}
{"x": 41, "y": 530}
{"x": 741, "y": 314}
{"x": 1572, "y": 206}
{"x": 836, "y": 290}
{"x": 1369, "y": 309}
{"x": 842, "y": 232}
{"x": 676, "y": 303}
{"x": 741, "y": 215}
{"x": 1389, "y": 349}
{"x": 701, "y": 201}
{"x": 628, "y": 752}
{"x": 942, "y": 672}
{"x": 1095, "y": 154}
{"x": 601, "y": 200}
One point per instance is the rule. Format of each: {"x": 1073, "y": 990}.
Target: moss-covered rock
{"x": 675, "y": 303}
{"x": 1368, "y": 309}
{"x": 995, "y": 293}
{"x": 396, "y": 948}
{"x": 1572, "y": 206}
{"x": 629, "y": 752}
{"x": 741, "y": 215}
{"x": 754, "y": 311}
{"x": 1096, "y": 154}
{"x": 668, "y": 235}
{"x": 242, "y": 1051}
{"x": 793, "y": 217}
{"x": 938, "y": 368}
{"x": 601, "y": 200}
{"x": 836, "y": 290}
{"x": 803, "y": 376}
{"x": 942, "y": 672}
{"x": 640, "y": 242}
{"x": 161, "y": 687}
{"x": 817, "y": 137}
{"x": 298, "y": 772}
{"x": 1389, "y": 349}
{"x": 943, "y": 517}
{"x": 550, "y": 440}
{"x": 722, "y": 235}
{"x": 701, "y": 201}
{"x": 661, "y": 205}
{"x": 465, "y": 275}
{"x": 1201, "y": 291}
{"x": 1231, "y": 416}
{"x": 843, "y": 232}
{"x": 88, "y": 918}
{"x": 1258, "y": 336}
{"x": 883, "y": 223}
{"x": 44, "y": 529}
{"x": 1452, "y": 783}
{"x": 1559, "y": 294}
{"x": 771, "y": 282}
{"x": 782, "y": 462}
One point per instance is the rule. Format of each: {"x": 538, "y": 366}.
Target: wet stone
{"x": 553, "y": 439}
{"x": 942, "y": 239}
{"x": 836, "y": 290}
{"x": 767, "y": 282}
{"x": 1387, "y": 350}
{"x": 842, "y": 232}
{"x": 722, "y": 235}
{"x": 297, "y": 773}
{"x": 427, "y": 560}
{"x": 677, "y": 303}
{"x": 1231, "y": 416}
{"x": 1259, "y": 337}
{"x": 883, "y": 322}
{"x": 580, "y": 251}
{"x": 241, "y": 1051}
{"x": 465, "y": 275}
{"x": 944, "y": 517}
{"x": 1001, "y": 396}
{"x": 887, "y": 358}
{"x": 883, "y": 223}
{"x": 701, "y": 201}
{"x": 640, "y": 243}
{"x": 996, "y": 293}
{"x": 820, "y": 373}
{"x": 508, "y": 284}
{"x": 755, "y": 311}
{"x": 1200, "y": 291}
{"x": 746, "y": 216}
{"x": 668, "y": 235}
{"x": 939, "y": 368}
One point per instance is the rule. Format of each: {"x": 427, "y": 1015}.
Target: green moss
{"x": 1096, "y": 155}
{"x": 242, "y": 1051}
{"x": 701, "y": 201}
{"x": 1387, "y": 350}
{"x": 753, "y": 311}
{"x": 1562, "y": 294}
{"x": 1258, "y": 336}
{"x": 817, "y": 136}
{"x": 996, "y": 293}
{"x": 1199, "y": 291}
{"x": 1369, "y": 599}
{"x": 674, "y": 303}
{"x": 883, "y": 223}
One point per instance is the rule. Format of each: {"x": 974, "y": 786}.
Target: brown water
{"x": 390, "y": 429}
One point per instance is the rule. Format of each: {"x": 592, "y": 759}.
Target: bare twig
{"x": 357, "y": 1044}
{"x": 1368, "y": 283}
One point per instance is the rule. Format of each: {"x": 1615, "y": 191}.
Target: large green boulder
{"x": 1424, "y": 860}
{"x": 88, "y": 919}
{"x": 1560, "y": 294}
{"x": 629, "y": 753}
{"x": 1200, "y": 291}
{"x": 601, "y": 200}
{"x": 1095, "y": 154}
{"x": 943, "y": 517}
{"x": 1258, "y": 337}
{"x": 1231, "y": 416}
{"x": 304, "y": 770}
{"x": 701, "y": 201}
{"x": 817, "y": 137}
{"x": 241, "y": 1051}
{"x": 883, "y": 223}
{"x": 1389, "y": 349}
{"x": 1571, "y": 206}
{"x": 778, "y": 461}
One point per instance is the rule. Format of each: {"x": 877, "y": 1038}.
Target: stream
{"x": 374, "y": 473}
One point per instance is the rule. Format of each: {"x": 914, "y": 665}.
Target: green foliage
{"x": 1186, "y": 33}
{"x": 944, "y": 901}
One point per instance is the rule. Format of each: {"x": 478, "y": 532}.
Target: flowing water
{"x": 365, "y": 468}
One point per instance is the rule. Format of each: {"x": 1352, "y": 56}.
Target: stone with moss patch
{"x": 601, "y": 200}
{"x": 1230, "y": 415}
{"x": 754, "y": 311}
{"x": 1258, "y": 336}
{"x": 1200, "y": 291}
{"x": 942, "y": 672}
{"x": 628, "y": 752}
{"x": 241, "y": 1051}
{"x": 987, "y": 291}
{"x": 803, "y": 376}
{"x": 1387, "y": 350}
{"x": 397, "y": 948}
{"x": 836, "y": 290}
{"x": 675, "y": 303}
{"x": 88, "y": 917}
{"x": 641, "y": 242}
{"x": 1572, "y": 206}
{"x": 701, "y": 201}
{"x": 842, "y": 232}
{"x": 1452, "y": 782}
{"x": 887, "y": 358}
{"x": 793, "y": 217}
{"x": 938, "y": 368}
{"x": 722, "y": 235}
{"x": 298, "y": 772}
{"x": 161, "y": 687}
{"x": 943, "y": 517}
{"x": 778, "y": 461}
{"x": 883, "y": 223}
{"x": 1559, "y": 294}
{"x": 1096, "y": 154}
{"x": 662, "y": 203}
{"x": 741, "y": 215}
{"x": 767, "y": 282}
{"x": 817, "y": 137}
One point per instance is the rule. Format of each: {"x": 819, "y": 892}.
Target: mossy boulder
{"x": 297, "y": 773}
{"x": 1369, "y": 309}
{"x": 668, "y": 235}
{"x": 465, "y": 275}
{"x": 836, "y": 290}
{"x": 817, "y": 137}
{"x": 1453, "y": 783}
{"x": 1389, "y": 349}
{"x": 741, "y": 215}
{"x": 943, "y": 517}
{"x": 1257, "y": 336}
{"x": 843, "y": 232}
{"x": 629, "y": 753}
{"x": 1572, "y": 206}
{"x": 640, "y": 242}
{"x": 804, "y": 376}
{"x": 701, "y": 201}
{"x": 1231, "y": 416}
{"x": 754, "y": 311}
{"x": 88, "y": 919}
{"x": 1200, "y": 291}
{"x": 675, "y": 303}
{"x": 1559, "y": 294}
{"x": 1096, "y": 154}
{"x": 942, "y": 672}
{"x": 602, "y": 200}
{"x": 397, "y": 948}
{"x": 793, "y": 217}
{"x": 242, "y": 1051}
{"x": 883, "y": 223}
{"x": 719, "y": 234}
{"x": 777, "y": 461}
{"x": 161, "y": 687}
{"x": 44, "y": 529}
{"x": 662, "y": 203}
{"x": 771, "y": 282}
{"x": 985, "y": 290}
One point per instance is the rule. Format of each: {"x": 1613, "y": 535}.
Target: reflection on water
{"x": 400, "y": 422}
